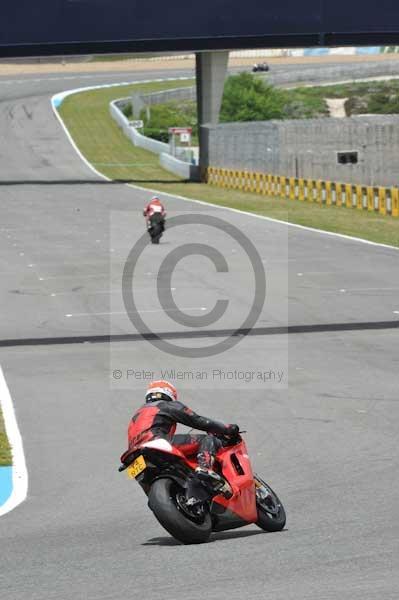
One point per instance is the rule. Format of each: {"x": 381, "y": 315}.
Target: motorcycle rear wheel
{"x": 155, "y": 232}
{"x": 271, "y": 512}
{"x": 163, "y": 501}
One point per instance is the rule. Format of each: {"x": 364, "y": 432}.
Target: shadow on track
{"x": 215, "y": 537}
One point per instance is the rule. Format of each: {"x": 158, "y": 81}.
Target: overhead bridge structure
{"x": 65, "y": 27}
{"x": 49, "y": 27}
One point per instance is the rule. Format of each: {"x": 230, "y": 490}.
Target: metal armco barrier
{"x": 384, "y": 200}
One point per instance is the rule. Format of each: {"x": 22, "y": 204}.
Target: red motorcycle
{"x": 190, "y": 508}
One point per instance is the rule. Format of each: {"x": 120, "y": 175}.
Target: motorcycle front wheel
{"x": 167, "y": 501}
{"x": 271, "y": 513}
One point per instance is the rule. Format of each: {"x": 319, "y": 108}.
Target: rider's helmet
{"x": 155, "y": 199}
{"x": 160, "y": 390}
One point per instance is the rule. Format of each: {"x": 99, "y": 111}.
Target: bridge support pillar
{"x": 211, "y": 69}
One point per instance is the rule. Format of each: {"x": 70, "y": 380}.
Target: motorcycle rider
{"x": 155, "y": 207}
{"x": 158, "y": 418}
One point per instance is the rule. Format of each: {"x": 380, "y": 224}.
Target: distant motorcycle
{"x": 260, "y": 67}
{"x": 189, "y": 507}
{"x": 156, "y": 227}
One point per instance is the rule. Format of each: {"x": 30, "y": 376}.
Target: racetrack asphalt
{"x": 327, "y": 441}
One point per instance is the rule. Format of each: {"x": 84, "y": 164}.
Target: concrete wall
{"x": 137, "y": 138}
{"x": 308, "y": 148}
{"x": 168, "y": 162}
{"x": 182, "y": 93}
{"x": 180, "y": 168}
{"x": 140, "y": 101}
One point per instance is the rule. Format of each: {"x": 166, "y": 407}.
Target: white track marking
{"x": 85, "y": 293}
{"x": 366, "y": 289}
{"x": 124, "y": 312}
{"x": 72, "y": 276}
{"x": 68, "y": 77}
{"x": 105, "y": 74}
{"x": 136, "y": 164}
{"x": 270, "y": 219}
{"x": 345, "y": 81}
{"x": 318, "y": 273}
{"x": 98, "y": 292}
{"x": 202, "y": 202}
{"x": 19, "y": 471}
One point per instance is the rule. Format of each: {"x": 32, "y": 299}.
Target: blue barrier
{"x": 5, "y": 484}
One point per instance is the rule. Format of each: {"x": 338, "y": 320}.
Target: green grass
{"x": 305, "y": 103}
{"x": 87, "y": 118}
{"x": 5, "y": 450}
{"x": 98, "y": 137}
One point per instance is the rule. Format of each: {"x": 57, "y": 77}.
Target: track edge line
{"x": 19, "y": 469}
{"x": 153, "y": 190}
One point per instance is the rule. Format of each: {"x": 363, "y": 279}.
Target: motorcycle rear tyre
{"x": 162, "y": 501}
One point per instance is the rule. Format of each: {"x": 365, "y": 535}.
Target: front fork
{"x": 265, "y": 496}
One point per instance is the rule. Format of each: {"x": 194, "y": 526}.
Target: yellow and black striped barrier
{"x": 384, "y": 200}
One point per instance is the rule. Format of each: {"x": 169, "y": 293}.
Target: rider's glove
{"x": 233, "y": 430}
{"x": 231, "y": 435}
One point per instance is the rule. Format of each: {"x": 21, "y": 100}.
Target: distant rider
{"x": 155, "y": 211}
{"x": 158, "y": 417}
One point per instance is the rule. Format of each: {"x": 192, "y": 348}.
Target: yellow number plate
{"x": 136, "y": 467}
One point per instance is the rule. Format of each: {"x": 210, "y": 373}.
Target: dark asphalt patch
{"x": 173, "y": 335}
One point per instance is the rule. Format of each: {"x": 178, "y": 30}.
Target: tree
{"x": 248, "y": 98}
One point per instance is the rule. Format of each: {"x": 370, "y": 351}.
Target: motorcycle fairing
{"x": 223, "y": 518}
{"x": 237, "y": 511}
{"x": 236, "y": 468}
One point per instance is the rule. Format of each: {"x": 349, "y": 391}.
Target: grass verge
{"x": 376, "y": 97}
{"x": 86, "y": 115}
{"x": 5, "y": 450}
